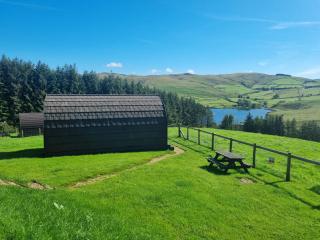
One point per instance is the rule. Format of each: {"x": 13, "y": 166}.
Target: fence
{"x": 254, "y": 146}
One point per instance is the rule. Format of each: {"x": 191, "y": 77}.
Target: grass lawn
{"x": 178, "y": 198}
{"x": 21, "y": 160}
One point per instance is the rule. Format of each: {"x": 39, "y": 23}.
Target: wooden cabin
{"x": 104, "y": 123}
{"x": 30, "y": 124}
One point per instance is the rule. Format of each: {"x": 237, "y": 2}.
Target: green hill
{"x": 177, "y": 198}
{"x": 292, "y": 96}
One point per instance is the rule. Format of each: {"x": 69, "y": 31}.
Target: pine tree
{"x": 227, "y": 122}
{"x": 11, "y": 90}
{"x": 26, "y": 90}
{"x": 90, "y": 81}
{"x": 2, "y": 100}
{"x": 248, "y": 125}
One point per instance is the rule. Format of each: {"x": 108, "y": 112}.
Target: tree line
{"x": 275, "y": 125}
{"x": 23, "y": 86}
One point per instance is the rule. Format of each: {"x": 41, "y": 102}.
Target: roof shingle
{"x": 117, "y": 109}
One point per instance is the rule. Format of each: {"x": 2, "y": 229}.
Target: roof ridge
{"x": 72, "y": 95}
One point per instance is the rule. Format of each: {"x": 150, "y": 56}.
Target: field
{"x": 177, "y": 198}
{"x": 294, "y": 97}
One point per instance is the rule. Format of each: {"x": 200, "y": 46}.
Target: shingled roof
{"x": 102, "y": 110}
{"x": 31, "y": 120}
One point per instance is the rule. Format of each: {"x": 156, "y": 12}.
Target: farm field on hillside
{"x": 178, "y": 198}
{"x": 222, "y": 91}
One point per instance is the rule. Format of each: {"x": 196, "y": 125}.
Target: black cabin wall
{"x": 106, "y": 139}
{"x": 28, "y": 132}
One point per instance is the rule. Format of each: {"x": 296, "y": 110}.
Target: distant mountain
{"x": 205, "y": 87}
{"x": 280, "y": 92}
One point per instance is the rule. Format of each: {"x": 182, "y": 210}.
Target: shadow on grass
{"x": 292, "y": 195}
{"x": 193, "y": 148}
{"x": 214, "y": 170}
{"x": 26, "y": 153}
{"x": 255, "y": 176}
{"x": 14, "y": 136}
{"x": 205, "y": 150}
{"x": 315, "y": 189}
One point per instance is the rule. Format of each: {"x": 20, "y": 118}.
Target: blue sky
{"x": 158, "y": 37}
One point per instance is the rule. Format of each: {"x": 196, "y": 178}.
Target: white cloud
{"x": 263, "y": 63}
{"x": 310, "y": 73}
{"x": 191, "y": 71}
{"x": 155, "y": 71}
{"x": 115, "y": 65}
{"x": 285, "y": 25}
{"x": 169, "y": 70}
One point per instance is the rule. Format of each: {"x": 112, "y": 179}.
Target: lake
{"x": 238, "y": 114}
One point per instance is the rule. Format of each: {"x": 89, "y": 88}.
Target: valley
{"x": 293, "y": 97}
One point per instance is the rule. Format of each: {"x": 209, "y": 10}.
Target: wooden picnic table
{"x": 225, "y": 160}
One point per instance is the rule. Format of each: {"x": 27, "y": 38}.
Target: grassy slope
{"x": 21, "y": 160}
{"x": 223, "y": 90}
{"x": 179, "y": 198}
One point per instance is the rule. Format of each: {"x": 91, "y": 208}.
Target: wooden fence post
{"x": 254, "y": 155}
{"x": 212, "y": 141}
{"x": 198, "y": 136}
{"x": 230, "y": 145}
{"x": 288, "y": 175}
{"x": 179, "y": 131}
{"x": 21, "y": 132}
{"x": 187, "y": 133}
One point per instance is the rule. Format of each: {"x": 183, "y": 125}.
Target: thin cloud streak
{"x": 285, "y": 25}
{"x": 276, "y": 25}
{"x": 240, "y": 19}
{"x": 28, "y": 5}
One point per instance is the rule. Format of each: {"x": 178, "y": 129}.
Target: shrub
{"x": 6, "y": 129}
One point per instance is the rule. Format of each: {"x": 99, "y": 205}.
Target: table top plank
{"x": 230, "y": 155}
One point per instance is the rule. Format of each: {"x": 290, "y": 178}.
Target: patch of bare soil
{"x": 93, "y": 180}
{"x": 246, "y": 181}
{"x": 36, "y": 185}
{"x": 177, "y": 151}
{"x": 8, "y": 183}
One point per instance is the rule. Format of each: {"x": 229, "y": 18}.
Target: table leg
{"x": 216, "y": 156}
{"x": 244, "y": 166}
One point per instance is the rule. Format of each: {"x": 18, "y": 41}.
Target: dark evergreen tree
{"x": 10, "y": 93}
{"x": 249, "y": 124}
{"x": 227, "y": 122}
{"x": 310, "y": 131}
{"x": 90, "y": 81}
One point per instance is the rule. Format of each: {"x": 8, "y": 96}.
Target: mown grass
{"x": 178, "y": 198}
{"x": 22, "y": 160}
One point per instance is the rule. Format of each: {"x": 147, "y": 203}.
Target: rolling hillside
{"x": 177, "y": 198}
{"x": 292, "y": 96}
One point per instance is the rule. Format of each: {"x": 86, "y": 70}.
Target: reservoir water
{"x": 238, "y": 114}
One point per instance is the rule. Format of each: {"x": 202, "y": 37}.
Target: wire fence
{"x": 217, "y": 141}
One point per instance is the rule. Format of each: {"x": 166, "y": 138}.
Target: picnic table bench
{"x": 225, "y": 160}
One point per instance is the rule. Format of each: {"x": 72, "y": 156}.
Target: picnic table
{"x": 225, "y": 160}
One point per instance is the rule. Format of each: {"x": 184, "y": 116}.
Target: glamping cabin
{"x": 77, "y": 124}
{"x": 30, "y": 124}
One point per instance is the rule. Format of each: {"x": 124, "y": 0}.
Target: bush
{"x": 6, "y": 129}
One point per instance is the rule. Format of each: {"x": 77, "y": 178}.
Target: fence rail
{"x": 254, "y": 146}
